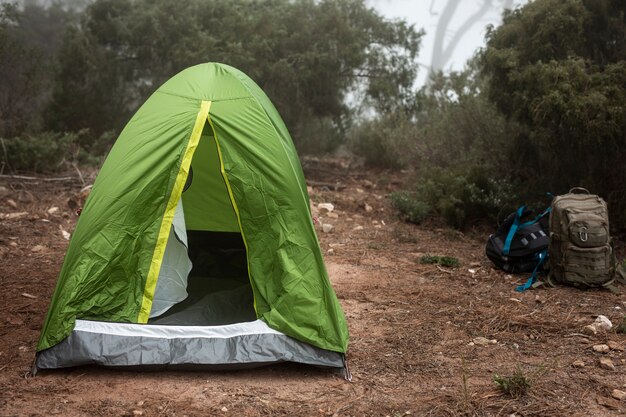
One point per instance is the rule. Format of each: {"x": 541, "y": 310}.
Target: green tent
{"x": 196, "y": 244}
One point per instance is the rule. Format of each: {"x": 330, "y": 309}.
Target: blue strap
{"x": 513, "y": 230}
{"x": 529, "y": 283}
{"x": 516, "y": 226}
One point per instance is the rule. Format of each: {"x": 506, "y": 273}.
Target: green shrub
{"x": 459, "y": 198}
{"x": 515, "y": 385}
{"x": 45, "y": 153}
{"x": 447, "y": 261}
{"x": 389, "y": 141}
{"x": 411, "y": 208}
{"x": 50, "y": 152}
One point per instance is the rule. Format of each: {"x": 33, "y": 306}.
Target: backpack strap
{"x": 533, "y": 278}
{"x": 517, "y": 226}
{"x": 509, "y": 237}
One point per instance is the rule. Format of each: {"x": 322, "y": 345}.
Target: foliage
{"x": 447, "y": 261}
{"x": 49, "y": 152}
{"x": 388, "y": 141}
{"x": 44, "y": 153}
{"x": 559, "y": 69}
{"x": 460, "y": 160}
{"x": 514, "y": 385}
{"x": 413, "y": 209}
{"x": 306, "y": 55}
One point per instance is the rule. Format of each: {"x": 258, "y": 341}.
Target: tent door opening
{"x": 218, "y": 286}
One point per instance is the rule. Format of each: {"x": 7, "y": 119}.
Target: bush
{"x": 50, "y": 152}
{"x": 44, "y": 153}
{"x": 460, "y": 198}
{"x": 413, "y": 209}
{"x": 388, "y": 142}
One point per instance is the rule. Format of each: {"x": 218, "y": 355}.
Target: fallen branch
{"x": 25, "y": 178}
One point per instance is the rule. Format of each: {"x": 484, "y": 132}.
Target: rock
{"x": 613, "y": 345}
{"x": 38, "y": 248}
{"x": 13, "y": 244}
{"x": 357, "y": 228}
{"x": 368, "y": 208}
{"x": 325, "y": 208}
{"x": 607, "y": 363}
{"x": 326, "y": 228}
{"x": 224, "y": 409}
{"x": 137, "y": 413}
{"x": 618, "y": 394}
{"x": 66, "y": 235}
{"x": 483, "y": 341}
{"x": 3, "y": 190}
{"x": 11, "y": 203}
{"x": 602, "y": 323}
{"x": 13, "y": 216}
{"x": 332, "y": 215}
{"x": 53, "y": 210}
{"x": 590, "y": 330}
{"x": 330, "y": 251}
{"x": 578, "y": 364}
{"x": 601, "y": 348}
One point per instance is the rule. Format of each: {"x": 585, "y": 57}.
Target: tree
{"x": 559, "y": 68}
{"x": 21, "y": 76}
{"x": 307, "y": 55}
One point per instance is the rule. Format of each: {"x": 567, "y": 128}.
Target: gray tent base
{"x": 137, "y": 346}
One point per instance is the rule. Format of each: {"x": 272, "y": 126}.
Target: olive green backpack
{"x": 580, "y": 251}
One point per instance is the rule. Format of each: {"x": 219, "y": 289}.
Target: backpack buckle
{"x": 583, "y": 234}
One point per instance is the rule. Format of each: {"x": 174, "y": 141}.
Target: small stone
{"x": 53, "y": 210}
{"x": 578, "y": 364}
{"x": 590, "y": 329}
{"x": 602, "y": 323}
{"x": 224, "y": 409}
{"x": 613, "y": 345}
{"x": 601, "y": 348}
{"x": 357, "y": 228}
{"x": 618, "y": 394}
{"x": 326, "y": 228}
{"x": 330, "y": 251}
{"x": 137, "y": 413}
{"x": 607, "y": 363}
{"x": 11, "y": 203}
{"x": 368, "y": 208}
{"x": 38, "y": 248}
{"x": 325, "y": 207}
{"x": 332, "y": 215}
{"x": 13, "y": 244}
{"x": 140, "y": 403}
{"x": 483, "y": 341}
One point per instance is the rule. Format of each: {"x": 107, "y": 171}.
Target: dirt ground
{"x": 413, "y": 326}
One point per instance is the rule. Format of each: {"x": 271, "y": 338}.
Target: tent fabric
{"x": 216, "y": 119}
{"x": 171, "y": 285}
{"x": 131, "y": 345}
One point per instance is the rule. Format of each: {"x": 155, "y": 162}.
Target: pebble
{"x": 601, "y": 348}
{"x": 590, "y": 330}
{"x": 37, "y": 248}
{"x": 606, "y": 363}
{"x": 358, "y": 228}
{"x": 613, "y": 345}
{"x": 603, "y": 323}
{"x": 483, "y": 341}
{"x": 578, "y": 364}
{"x": 325, "y": 207}
{"x": 326, "y": 228}
{"x": 618, "y": 394}
{"x": 137, "y": 413}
